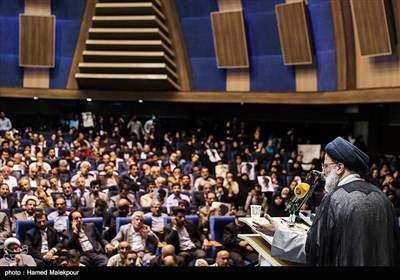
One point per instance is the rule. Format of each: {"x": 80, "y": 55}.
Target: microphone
{"x": 300, "y": 191}
{"x": 315, "y": 176}
{"x": 316, "y": 172}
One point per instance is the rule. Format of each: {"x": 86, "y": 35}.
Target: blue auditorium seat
{"x": 217, "y": 225}
{"x": 98, "y": 222}
{"x": 193, "y": 218}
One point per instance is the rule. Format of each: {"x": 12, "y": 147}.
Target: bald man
{"x": 167, "y": 250}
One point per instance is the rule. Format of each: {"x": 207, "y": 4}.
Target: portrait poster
{"x": 213, "y": 155}
{"x": 248, "y": 168}
{"x": 265, "y": 183}
{"x": 308, "y": 152}
{"x": 87, "y": 119}
{"x": 221, "y": 170}
{"x": 222, "y": 208}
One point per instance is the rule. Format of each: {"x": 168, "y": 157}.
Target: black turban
{"x": 343, "y": 151}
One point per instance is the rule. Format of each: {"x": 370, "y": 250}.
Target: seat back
{"x": 21, "y": 209}
{"x": 193, "y": 218}
{"x": 120, "y": 221}
{"x": 50, "y": 209}
{"x": 83, "y": 209}
{"x": 139, "y": 195}
{"x": 7, "y": 211}
{"x": 217, "y": 225}
{"x": 98, "y": 222}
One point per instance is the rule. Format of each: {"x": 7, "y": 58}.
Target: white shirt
{"x": 185, "y": 243}
{"x": 3, "y": 203}
{"x": 11, "y": 181}
{"x": 45, "y": 244}
{"x": 5, "y": 124}
{"x": 136, "y": 241}
{"x": 84, "y": 240}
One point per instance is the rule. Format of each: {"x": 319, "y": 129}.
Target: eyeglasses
{"x": 325, "y": 165}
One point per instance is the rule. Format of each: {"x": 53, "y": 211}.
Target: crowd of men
{"x": 160, "y": 180}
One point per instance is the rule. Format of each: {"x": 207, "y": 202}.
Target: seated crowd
{"x": 166, "y": 189}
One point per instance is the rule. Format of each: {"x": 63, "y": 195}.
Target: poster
{"x": 221, "y": 170}
{"x": 309, "y": 152}
{"x": 248, "y": 168}
{"x": 265, "y": 183}
{"x": 222, "y": 208}
{"x": 213, "y": 155}
{"x": 87, "y": 119}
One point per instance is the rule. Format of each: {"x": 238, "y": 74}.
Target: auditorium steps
{"x": 159, "y": 82}
{"x": 128, "y": 47}
{"x": 128, "y": 68}
{"x": 128, "y": 22}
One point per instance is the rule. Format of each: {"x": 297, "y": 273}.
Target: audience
{"x": 90, "y": 164}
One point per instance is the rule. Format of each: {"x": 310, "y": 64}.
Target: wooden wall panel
{"x": 376, "y": 72}
{"x": 37, "y": 41}
{"x": 294, "y": 33}
{"x": 344, "y": 42}
{"x": 375, "y": 29}
{"x": 396, "y": 12}
{"x": 230, "y": 39}
{"x": 237, "y": 79}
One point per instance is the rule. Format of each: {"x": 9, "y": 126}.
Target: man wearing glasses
{"x": 355, "y": 224}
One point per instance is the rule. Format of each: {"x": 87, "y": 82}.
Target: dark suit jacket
{"x": 134, "y": 185}
{"x": 230, "y": 239}
{"x": 199, "y": 199}
{"x": 75, "y": 200}
{"x": 71, "y": 240}
{"x": 172, "y": 237}
{"x": 106, "y": 217}
{"x": 33, "y": 239}
{"x": 103, "y": 180}
{"x": 12, "y": 203}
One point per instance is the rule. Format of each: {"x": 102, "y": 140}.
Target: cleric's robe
{"x": 355, "y": 226}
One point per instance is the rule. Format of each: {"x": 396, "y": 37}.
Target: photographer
{"x": 14, "y": 255}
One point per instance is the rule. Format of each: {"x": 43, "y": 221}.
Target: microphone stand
{"x": 294, "y": 207}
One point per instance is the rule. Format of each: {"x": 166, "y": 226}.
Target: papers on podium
{"x": 257, "y": 241}
{"x": 249, "y": 222}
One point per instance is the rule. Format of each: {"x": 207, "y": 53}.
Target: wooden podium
{"x": 262, "y": 244}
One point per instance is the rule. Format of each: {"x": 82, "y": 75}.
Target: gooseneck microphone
{"x": 301, "y": 190}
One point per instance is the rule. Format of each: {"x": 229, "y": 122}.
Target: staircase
{"x": 128, "y": 48}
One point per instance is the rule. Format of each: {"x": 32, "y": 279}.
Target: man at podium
{"x": 355, "y": 224}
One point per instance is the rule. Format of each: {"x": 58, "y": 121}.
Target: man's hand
{"x": 48, "y": 256}
{"x": 267, "y": 228}
{"x": 74, "y": 227}
{"x": 174, "y": 222}
{"x": 109, "y": 248}
{"x": 18, "y": 258}
{"x": 145, "y": 229}
{"x": 206, "y": 245}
